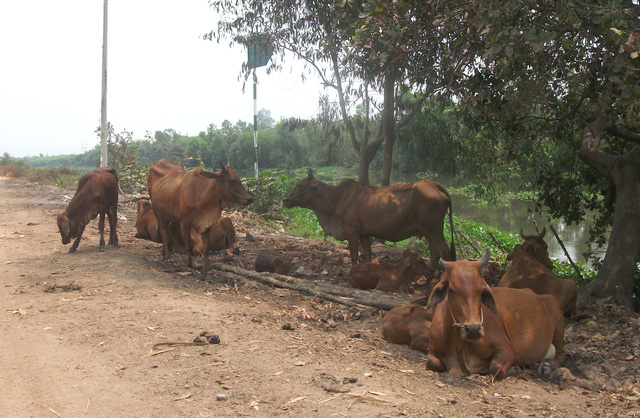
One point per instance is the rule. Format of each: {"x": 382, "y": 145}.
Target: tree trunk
{"x": 388, "y": 125}
{"x": 616, "y": 277}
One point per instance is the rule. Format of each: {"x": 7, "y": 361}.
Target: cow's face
{"x": 144, "y": 205}
{"x": 66, "y": 227}
{"x": 466, "y": 292}
{"x": 231, "y": 188}
{"x": 302, "y": 193}
{"x": 537, "y": 247}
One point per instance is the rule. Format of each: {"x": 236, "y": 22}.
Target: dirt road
{"x": 78, "y": 334}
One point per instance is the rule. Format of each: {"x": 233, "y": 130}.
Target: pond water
{"x": 518, "y": 214}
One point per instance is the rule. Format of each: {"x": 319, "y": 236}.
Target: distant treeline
{"x": 425, "y": 146}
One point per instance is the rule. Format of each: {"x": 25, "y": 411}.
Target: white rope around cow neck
{"x": 458, "y": 324}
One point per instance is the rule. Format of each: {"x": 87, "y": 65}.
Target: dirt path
{"x": 78, "y": 331}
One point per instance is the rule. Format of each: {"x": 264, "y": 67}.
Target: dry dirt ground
{"x": 78, "y": 335}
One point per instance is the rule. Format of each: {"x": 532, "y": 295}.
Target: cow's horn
{"x": 309, "y": 172}
{"x": 485, "y": 258}
{"x": 544, "y": 231}
{"x": 442, "y": 264}
{"x": 522, "y": 234}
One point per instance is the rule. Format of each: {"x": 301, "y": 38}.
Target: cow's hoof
{"x": 72, "y": 250}
{"x": 101, "y": 249}
{"x": 544, "y": 368}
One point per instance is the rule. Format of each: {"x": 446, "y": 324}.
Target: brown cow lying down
{"x": 407, "y": 324}
{"x": 531, "y": 269}
{"x": 146, "y": 222}
{"x": 97, "y": 194}
{"x": 477, "y": 330}
{"x": 222, "y": 237}
{"x": 389, "y": 276}
{"x": 355, "y": 212}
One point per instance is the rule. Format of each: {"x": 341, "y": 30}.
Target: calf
{"x": 478, "y": 330}
{"x": 222, "y": 236}
{"x": 97, "y": 194}
{"x": 407, "y": 324}
{"x": 146, "y": 222}
{"x": 531, "y": 269}
{"x": 390, "y": 276}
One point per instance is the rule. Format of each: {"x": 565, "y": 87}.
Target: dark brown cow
{"x": 356, "y": 212}
{"x": 194, "y": 199}
{"x": 389, "y": 276}
{"x": 97, "y": 194}
{"x": 477, "y": 330}
{"x": 531, "y": 269}
{"x": 222, "y": 237}
{"x": 407, "y": 324}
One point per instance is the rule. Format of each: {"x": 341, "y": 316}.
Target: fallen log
{"x": 338, "y": 294}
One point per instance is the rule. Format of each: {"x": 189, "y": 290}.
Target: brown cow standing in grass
{"x": 389, "y": 276}
{"x": 222, "y": 237}
{"x": 477, "y": 330}
{"x": 408, "y": 324}
{"x": 355, "y": 212}
{"x": 193, "y": 199}
{"x": 531, "y": 269}
{"x": 97, "y": 194}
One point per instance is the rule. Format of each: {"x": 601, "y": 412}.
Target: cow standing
{"x": 531, "y": 269}
{"x": 355, "y": 212}
{"x": 97, "y": 194}
{"x": 192, "y": 199}
{"x": 477, "y": 330}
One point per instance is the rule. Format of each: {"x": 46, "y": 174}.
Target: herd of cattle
{"x": 466, "y": 327}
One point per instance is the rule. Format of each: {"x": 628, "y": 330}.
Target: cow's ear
{"x": 438, "y": 294}
{"x": 210, "y": 175}
{"x": 487, "y": 299}
{"x": 222, "y": 166}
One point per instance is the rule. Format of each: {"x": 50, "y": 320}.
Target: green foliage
{"x": 123, "y": 157}
{"x": 267, "y": 191}
{"x": 62, "y": 176}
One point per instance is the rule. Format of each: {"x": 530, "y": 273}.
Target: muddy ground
{"x": 79, "y": 330}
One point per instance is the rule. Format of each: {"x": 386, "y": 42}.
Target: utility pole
{"x": 103, "y": 107}
{"x": 258, "y": 53}
{"x": 255, "y": 122}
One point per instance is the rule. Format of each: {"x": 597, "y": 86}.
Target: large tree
{"x": 362, "y": 50}
{"x": 558, "y": 85}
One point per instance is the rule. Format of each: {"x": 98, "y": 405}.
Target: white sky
{"x": 161, "y": 74}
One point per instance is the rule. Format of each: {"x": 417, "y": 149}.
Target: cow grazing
{"x": 389, "y": 276}
{"x": 409, "y": 325}
{"x": 531, "y": 269}
{"x": 222, "y": 237}
{"x": 192, "y": 199}
{"x": 356, "y": 212}
{"x": 477, "y": 330}
{"x": 97, "y": 194}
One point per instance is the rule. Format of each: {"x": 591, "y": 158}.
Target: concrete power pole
{"x": 103, "y": 108}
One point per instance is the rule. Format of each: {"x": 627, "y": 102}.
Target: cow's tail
{"x": 450, "y": 210}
